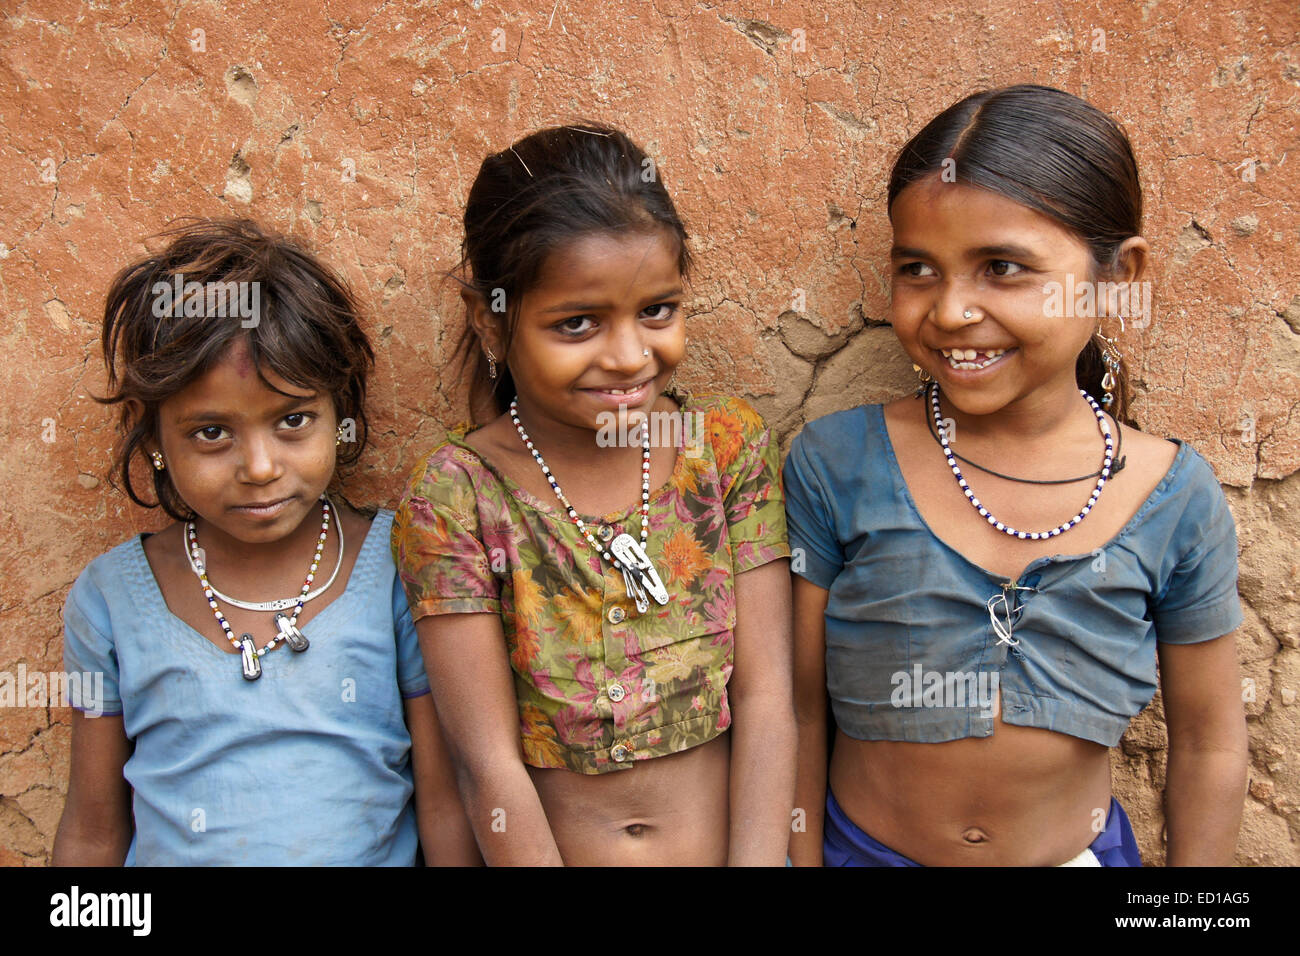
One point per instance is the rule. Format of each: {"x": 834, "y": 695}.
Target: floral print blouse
{"x": 599, "y": 685}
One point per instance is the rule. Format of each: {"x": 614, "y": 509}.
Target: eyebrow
{"x": 1003, "y": 251}
{"x": 207, "y": 416}
{"x": 604, "y": 306}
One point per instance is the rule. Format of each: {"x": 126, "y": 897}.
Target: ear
{"x": 486, "y": 326}
{"x": 1131, "y": 259}
{"x": 134, "y": 411}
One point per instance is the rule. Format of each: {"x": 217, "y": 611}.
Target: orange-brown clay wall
{"x": 360, "y": 126}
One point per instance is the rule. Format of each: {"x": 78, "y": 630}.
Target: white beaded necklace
{"x": 287, "y": 627}
{"x": 639, "y": 575}
{"x": 1103, "y": 475}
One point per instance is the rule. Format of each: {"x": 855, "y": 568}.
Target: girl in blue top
{"x": 264, "y": 701}
{"x": 977, "y": 667}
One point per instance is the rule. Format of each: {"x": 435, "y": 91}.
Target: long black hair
{"x": 1054, "y": 153}
{"x": 551, "y": 187}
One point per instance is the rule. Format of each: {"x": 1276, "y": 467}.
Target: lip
{"x": 640, "y": 394}
{"x": 966, "y": 374}
{"x": 263, "y": 510}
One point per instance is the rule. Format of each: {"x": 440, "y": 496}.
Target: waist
{"x": 1020, "y": 797}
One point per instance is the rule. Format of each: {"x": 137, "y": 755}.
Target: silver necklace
{"x": 282, "y": 604}
{"x": 639, "y": 575}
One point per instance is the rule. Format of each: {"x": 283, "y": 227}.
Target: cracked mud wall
{"x": 360, "y": 129}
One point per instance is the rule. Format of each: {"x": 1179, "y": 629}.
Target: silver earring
{"x": 492, "y": 363}
{"x": 157, "y": 458}
{"x": 1111, "y": 358}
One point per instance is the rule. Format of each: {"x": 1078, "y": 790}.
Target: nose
{"x": 625, "y": 350}
{"x": 954, "y": 307}
{"x": 258, "y": 465}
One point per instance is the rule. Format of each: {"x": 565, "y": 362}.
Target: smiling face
{"x": 960, "y": 249}
{"x": 249, "y": 461}
{"x": 602, "y": 328}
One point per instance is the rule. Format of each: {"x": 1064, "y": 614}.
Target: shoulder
{"x": 100, "y": 585}
{"x": 450, "y": 466}
{"x": 839, "y": 436}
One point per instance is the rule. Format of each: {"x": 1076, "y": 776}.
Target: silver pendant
{"x": 248, "y": 657}
{"x": 295, "y": 638}
{"x": 639, "y": 574}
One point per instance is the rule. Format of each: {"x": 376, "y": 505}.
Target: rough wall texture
{"x": 360, "y": 126}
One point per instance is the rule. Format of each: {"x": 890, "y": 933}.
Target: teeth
{"x": 965, "y": 358}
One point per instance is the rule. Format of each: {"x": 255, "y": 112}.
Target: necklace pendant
{"x": 635, "y": 591}
{"x": 632, "y": 556}
{"x": 295, "y": 638}
{"x": 252, "y": 664}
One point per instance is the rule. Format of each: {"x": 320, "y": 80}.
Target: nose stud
{"x": 969, "y": 313}
{"x": 645, "y": 353}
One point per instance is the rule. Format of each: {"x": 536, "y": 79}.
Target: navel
{"x": 975, "y": 835}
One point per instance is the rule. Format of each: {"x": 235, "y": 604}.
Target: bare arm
{"x": 445, "y": 833}
{"x": 473, "y": 691}
{"x": 762, "y": 730}
{"x": 1205, "y": 784}
{"x": 810, "y": 713}
{"x": 95, "y": 829}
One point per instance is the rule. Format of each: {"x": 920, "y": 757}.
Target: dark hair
{"x": 1052, "y": 152}
{"x": 548, "y": 189}
{"x": 306, "y": 331}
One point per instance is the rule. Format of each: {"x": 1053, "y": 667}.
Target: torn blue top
{"x": 911, "y": 649}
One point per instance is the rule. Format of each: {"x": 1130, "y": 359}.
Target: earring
{"x": 924, "y": 378}
{"x": 157, "y": 458}
{"x": 338, "y": 436}
{"x": 1111, "y": 358}
{"x": 492, "y": 363}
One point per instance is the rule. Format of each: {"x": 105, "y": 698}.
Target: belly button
{"x": 975, "y": 835}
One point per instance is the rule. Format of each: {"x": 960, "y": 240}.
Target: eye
{"x": 576, "y": 326}
{"x": 1004, "y": 268}
{"x": 662, "y": 312}
{"x": 298, "y": 420}
{"x": 210, "y": 434}
{"x": 915, "y": 270}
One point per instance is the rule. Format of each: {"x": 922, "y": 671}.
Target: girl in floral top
{"x": 590, "y": 569}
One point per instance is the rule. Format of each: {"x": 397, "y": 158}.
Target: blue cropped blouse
{"x": 911, "y": 647}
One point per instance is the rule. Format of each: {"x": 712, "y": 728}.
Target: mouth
{"x": 634, "y": 393}
{"x": 973, "y": 359}
{"x": 263, "y": 509}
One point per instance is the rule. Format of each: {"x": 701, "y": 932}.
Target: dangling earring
{"x": 157, "y": 458}
{"x": 338, "y": 436}
{"x": 1111, "y": 358}
{"x": 492, "y": 363}
{"x": 924, "y": 378}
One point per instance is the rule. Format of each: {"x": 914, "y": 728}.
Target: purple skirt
{"x": 847, "y": 845}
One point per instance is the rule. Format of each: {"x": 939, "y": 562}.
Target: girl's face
{"x": 958, "y": 249}
{"x": 602, "y": 328}
{"x": 249, "y": 461}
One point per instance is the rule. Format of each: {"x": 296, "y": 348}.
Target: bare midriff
{"x": 1020, "y": 797}
{"x": 667, "y": 811}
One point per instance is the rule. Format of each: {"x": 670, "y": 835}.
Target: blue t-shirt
{"x": 912, "y": 652}
{"x": 308, "y": 765}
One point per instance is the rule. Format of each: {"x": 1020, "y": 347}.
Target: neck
{"x": 558, "y": 441}
{"x": 1047, "y": 413}
{"x": 228, "y": 557}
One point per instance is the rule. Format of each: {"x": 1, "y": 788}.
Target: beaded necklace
{"x": 287, "y": 627}
{"x": 639, "y": 574}
{"x": 1102, "y": 476}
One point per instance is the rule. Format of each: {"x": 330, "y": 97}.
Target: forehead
{"x": 233, "y": 383}
{"x": 932, "y": 213}
{"x": 610, "y": 264}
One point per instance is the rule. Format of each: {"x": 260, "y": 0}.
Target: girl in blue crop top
{"x": 260, "y": 697}
{"x": 978, "y": 668}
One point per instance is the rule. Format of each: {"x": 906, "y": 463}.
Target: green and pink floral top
{"x": 599, "y": 685}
